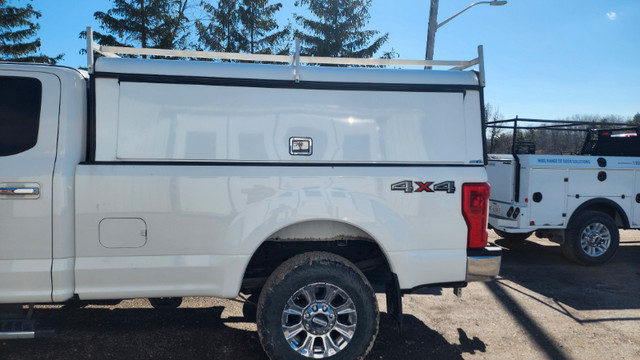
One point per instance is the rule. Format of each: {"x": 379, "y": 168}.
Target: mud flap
{"x": 394, "y": 299}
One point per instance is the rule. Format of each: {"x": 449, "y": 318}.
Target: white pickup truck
{"x": 579, "y": 201}
{"x": 307, "y": 185}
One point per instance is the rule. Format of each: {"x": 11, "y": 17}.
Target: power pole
{"x": 431, "y": 31}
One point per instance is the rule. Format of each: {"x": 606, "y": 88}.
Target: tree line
{"x": 335, "y": 28}
{"x": 564, "y": 140}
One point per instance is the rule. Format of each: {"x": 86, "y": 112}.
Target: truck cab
{"x": 42, "y": 140}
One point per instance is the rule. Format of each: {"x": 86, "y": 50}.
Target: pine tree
{"x": 17, "y": 30}
{"x": 247, "y": 26}
{"x": 223, "y": 32}
{"x": 158, "y": 24}
{"x": 337, "y": 31}
{"x": 259, "y": 24}
{"x": 173, "y": 31}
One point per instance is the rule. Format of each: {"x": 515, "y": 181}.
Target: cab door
{"x": 29, "y": 105}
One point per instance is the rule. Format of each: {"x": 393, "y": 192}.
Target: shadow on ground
{"x": 201, "y": 333}
{"x": 540, "y": 267}
{"x": 415, "y": 340}
{"x": 102, "y": 333}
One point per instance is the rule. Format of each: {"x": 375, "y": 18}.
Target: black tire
{"x": 165, "y": 303}
{"x": 319, "y": 274}
{"x": 513, "y": 236}
{"x": 592, "y": 238}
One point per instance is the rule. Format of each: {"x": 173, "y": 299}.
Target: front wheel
{"x": 317, "y": 305}
{"x": 591, "y": 239}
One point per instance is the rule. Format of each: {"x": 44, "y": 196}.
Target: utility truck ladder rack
{"x": 295, "y": 60}
{"x": 516, "y": 124}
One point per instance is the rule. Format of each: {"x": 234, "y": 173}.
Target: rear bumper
{"x": 483, "y": 264}
{"x": 498, "y": 218}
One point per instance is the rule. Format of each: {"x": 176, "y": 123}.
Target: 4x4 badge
{"x": 424, "y": 186}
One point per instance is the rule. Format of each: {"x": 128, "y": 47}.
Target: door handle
{"x": 25, "y": 191}
{"x": 19, "y": 191}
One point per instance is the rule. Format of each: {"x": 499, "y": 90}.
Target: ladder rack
{"x": 295, "y": 60}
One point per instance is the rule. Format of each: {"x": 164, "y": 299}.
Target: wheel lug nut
{"x": 315, "y": 307}
{"x": 324, "y": 308}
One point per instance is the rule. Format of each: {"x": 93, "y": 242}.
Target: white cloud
{"x": 612, "y": 15}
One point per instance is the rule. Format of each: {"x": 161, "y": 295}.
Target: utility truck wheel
{"x": 591, "y": 239}
{"x": 165, "y": 303}
{"x": 317, "y": 305}
{"x": 513, "y": 236}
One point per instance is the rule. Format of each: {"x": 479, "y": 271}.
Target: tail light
{"x": 510, "y": 212}
{"x": 475, "y": 200}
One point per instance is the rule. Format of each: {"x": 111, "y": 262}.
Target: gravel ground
{"x": 541, "y": 307}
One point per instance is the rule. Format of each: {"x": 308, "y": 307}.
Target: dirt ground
{"x": 541, "y": 307}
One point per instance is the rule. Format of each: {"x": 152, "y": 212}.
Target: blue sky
{"x": 548, "y": 59}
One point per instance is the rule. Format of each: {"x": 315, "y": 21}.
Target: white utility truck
{"x": 579, "y": 201}
{"x": 304, "y": 184}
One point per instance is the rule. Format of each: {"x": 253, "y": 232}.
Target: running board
{"x": 23, "y": 329}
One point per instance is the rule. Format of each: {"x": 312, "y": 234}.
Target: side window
{"x": 20, "y": 100}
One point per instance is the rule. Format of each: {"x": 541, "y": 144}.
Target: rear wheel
{"x": 513, "y": 236}
{"x": 591, "y": 239}
{"x": 317, "y": 305}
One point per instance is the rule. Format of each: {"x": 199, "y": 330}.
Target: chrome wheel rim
{"x": 595, "y": 239}
{"x": 319, "y": 320}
